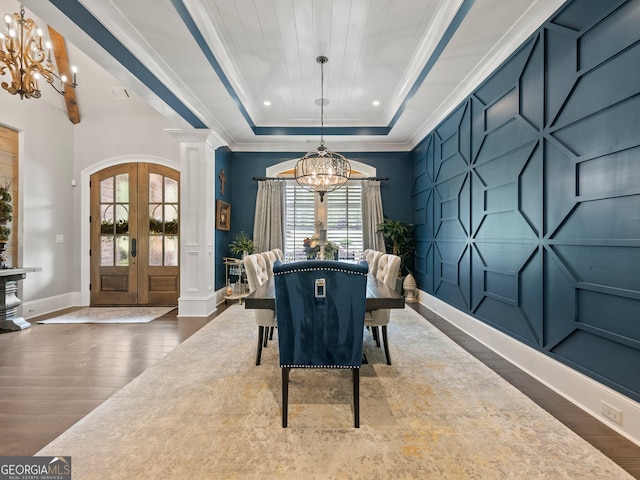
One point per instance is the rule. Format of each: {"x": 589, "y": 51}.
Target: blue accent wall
{"x": 222, "y": 237}
{"x": 527, "y": 197}
{"x": 242, "y": 189}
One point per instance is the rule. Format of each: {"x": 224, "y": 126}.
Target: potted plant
{"x": 242, "y": 245}
{"x": 399, "y": 238}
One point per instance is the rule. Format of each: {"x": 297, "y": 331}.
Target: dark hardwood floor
{"x": 53, "y": 375}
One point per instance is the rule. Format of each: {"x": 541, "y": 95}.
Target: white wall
{"x": 53, "y": 152}
{"x": 45, "y": 196}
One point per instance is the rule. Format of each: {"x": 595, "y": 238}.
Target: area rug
{"x": 111, "y": 315}
{"x": 206, "y": 411}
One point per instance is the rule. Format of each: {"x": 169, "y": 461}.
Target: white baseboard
{"x": 43, "y": 306}
{"x": 576, "y": 387}
{"x": 189, "y": 307}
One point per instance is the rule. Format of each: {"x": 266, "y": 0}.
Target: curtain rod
{"x": 260, "y": 179}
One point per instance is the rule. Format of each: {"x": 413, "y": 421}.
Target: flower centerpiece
{"x": 312, "y": 248}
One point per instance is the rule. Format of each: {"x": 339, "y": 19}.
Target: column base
{"x": 14, "y": 324}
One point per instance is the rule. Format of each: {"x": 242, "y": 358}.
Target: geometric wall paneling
{"x": 531, "y": 86}
{"x": 586, "y": 352}
{"x": 450, "y": 161}
{"x": 616, "y": 174}
{"x": 530, "y": 190}
{"x": 584, "y": 14}
{"x": 621, "y": 228}
{"x": 448, "y": 225}
{"x": 609, "y": 130}
{"x": 560, "y": 69}
{"x": 603, "y": 39}
{"x": 528, "y": 217}
{"x": 447, "y": 283}
{"x": 422, "y": 198}
{"x": 559, "y": 186}
{"x": 502, "y": 80}
{"x": 588, "y": 97}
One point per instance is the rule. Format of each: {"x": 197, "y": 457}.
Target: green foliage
{"x": 121, "y": 227}
{"x": 156, "y": 226}
{"x": 242, "y": 243}
{"x": 399, "y": 239}
{"x": 6, "y": 208}
{"x": 312, "y": 248}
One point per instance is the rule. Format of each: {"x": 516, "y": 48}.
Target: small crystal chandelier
{"x": 21, "y": 53}
{"x": 322, "y": 170}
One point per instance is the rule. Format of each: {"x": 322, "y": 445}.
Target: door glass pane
{"x": 171, "y": 251}
{"x": 106, "y": 251}
{"x": 170, "y": 190}
{"x": 163, "y": 221}
{"x": 106, "y": 223}
{"x": 106, "y": 190}
{"x": 171, "y": 219}
{"x": 155, "y": 219}
{"x": 114, "y": 221}
{"x": 155, "y": 250}
{"x": 122, "y": 188}
{"x": 122, "y": 219}
{"x": 155, "y": 188}
{"x": 122, "y": 251}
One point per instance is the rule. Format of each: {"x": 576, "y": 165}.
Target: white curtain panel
{"x": 268, "y": 224}
{"x": 372, "y": 216}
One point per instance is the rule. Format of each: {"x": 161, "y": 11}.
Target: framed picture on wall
{"x": 223, "y": 215}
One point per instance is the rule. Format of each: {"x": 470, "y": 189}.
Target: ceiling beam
{"x": 62, "y": 62}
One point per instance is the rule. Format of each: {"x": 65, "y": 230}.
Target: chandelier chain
{"x": 322, "y": 170}
{"x": 322, "y": 61}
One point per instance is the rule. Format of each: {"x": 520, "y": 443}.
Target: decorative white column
{"x": 197, "y": 221}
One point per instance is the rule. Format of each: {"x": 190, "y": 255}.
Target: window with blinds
{"x": 300, "y": 218}
{"x": 341, "y": 213}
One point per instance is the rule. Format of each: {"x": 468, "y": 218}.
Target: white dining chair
{"x": 279, "y": 254}
{"x": 257, "y": 272}
{"x": 270, "y": 257}
{"x": 373, "y": 257}
{"x": 388, "y": 267}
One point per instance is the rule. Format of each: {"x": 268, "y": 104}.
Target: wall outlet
{"x": 611, "y": 412}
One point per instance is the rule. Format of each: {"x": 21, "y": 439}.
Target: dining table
{"x": 379, "y": 296}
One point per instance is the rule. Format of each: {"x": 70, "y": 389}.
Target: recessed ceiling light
{"x": 267, "y": 103}
{"x": 375, "y": 103}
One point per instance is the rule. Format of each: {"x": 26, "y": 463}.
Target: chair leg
{"x": 356, "y": 397}
{"x": 259, "y": 352}
{"x": 376, "y": 335}
{"x": 271, "y": 329}
{"x": 386, "y": 344}
{"x": 266, "y": 336}
{"x": 285, "y": 396}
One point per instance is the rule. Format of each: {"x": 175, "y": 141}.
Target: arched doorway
{"x": 134, "y": 235}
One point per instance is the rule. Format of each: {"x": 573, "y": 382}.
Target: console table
{"x": 9, "y": 301}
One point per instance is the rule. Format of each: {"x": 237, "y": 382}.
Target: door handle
{"x": 133, "y": 247}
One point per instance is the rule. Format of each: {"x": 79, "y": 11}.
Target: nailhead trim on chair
{"x": 321, "y": 366}
{"x": 331, "y": 269}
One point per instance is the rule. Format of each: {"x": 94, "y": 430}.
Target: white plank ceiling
{"x": 214, "y": 63}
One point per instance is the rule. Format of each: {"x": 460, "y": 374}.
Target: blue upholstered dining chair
{"x": 320, "y": 309}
